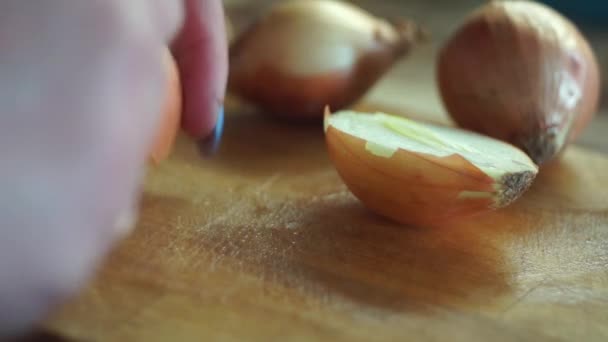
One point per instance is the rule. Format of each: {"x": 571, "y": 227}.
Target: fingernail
{"x": 210, "y": 145}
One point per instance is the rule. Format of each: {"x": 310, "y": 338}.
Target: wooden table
{"x": 264, "y": 242}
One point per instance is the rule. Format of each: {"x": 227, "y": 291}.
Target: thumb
{"x": 81, "y": 88}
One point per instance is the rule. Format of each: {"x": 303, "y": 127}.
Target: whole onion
{"x": 302, "y": 55}
{"x": 521, "y": 72}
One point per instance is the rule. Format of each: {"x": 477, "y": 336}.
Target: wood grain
{"x": 265, "y": 242}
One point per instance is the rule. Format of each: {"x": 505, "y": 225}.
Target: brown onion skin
{"x": 304, "y": 99}
{"x": 428, "y": 186}
{"x": 499, "y": 76}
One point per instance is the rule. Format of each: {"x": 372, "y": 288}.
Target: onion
{"x": 520, "y": 72}
{"x": 303, "y": 55}
{"x": 423, "y": 174}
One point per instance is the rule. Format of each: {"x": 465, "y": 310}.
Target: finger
{"x": 200, "y": 50}
{"x": 165, "y": 16}
{"x": 79, "y": 108}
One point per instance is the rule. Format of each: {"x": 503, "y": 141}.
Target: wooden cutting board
{"x": 264, "y": 242}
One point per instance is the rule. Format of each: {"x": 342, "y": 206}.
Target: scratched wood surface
{"x": 264, "y": 242}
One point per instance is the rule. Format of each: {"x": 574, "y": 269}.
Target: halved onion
{"x": 423, "y": 174}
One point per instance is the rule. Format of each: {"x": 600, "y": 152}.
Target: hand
{"x": 81, "y": 86}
